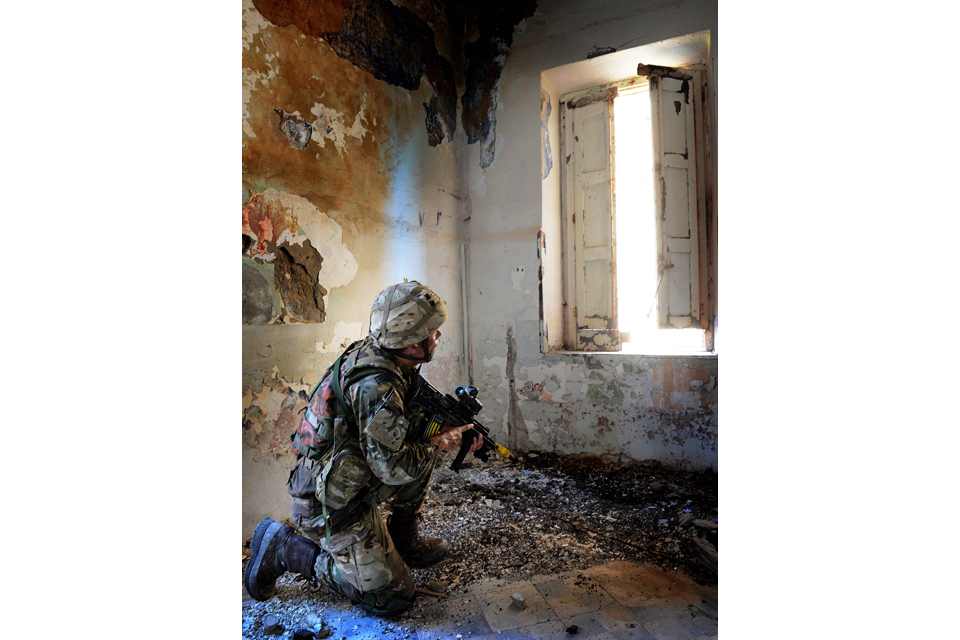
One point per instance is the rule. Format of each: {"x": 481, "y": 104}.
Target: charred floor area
{"x": 554, "y": 513}
{"x": 543, "y": 514}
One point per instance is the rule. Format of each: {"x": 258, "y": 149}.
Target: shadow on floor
{"x": 615, "y": 601}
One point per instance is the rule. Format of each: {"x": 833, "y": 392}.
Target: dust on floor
{"x": 545, "y": 513}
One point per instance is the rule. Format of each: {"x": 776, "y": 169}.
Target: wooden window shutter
{"x": 593, "y": 224}
{"x": 679, "y": 195}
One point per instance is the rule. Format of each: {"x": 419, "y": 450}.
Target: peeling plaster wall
{"x": 356, "y": 175}
{"x": 345, "y": 191}
{"x": 642, "y": 407}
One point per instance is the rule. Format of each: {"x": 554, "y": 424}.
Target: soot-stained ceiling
{"x": 460, "y": 43}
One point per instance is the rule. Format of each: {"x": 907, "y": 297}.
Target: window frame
{"x": 701, "y": 317}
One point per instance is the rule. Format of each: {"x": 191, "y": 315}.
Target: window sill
{"x": 648, "y": 353}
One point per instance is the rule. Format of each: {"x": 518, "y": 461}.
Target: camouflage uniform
{"x": 378, "y": 459}
{"x": 359, "y": 444}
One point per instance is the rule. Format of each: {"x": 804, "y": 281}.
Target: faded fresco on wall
{"x": 351, "y": 177}
{"x": 285, "y": 239}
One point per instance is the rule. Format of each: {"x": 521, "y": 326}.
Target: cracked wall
{"x": 387, "y": 40}
{"x": 661, "y": 408}
{"x": 489, "y": 39}
{"x": 338, "y": 173}
{"x": 642, "y": 408}
{"x": 356, "y": 175}
{"x": 458, "y": 49}
{"x": 285, "y": 238}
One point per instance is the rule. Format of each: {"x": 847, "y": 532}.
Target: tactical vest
{"x": 327, "y": 414}
{"x": 328, "y": 428}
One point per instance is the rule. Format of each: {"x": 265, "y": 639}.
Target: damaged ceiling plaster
{"x": 485, "y": 56}
{"x": 399, "y": 45}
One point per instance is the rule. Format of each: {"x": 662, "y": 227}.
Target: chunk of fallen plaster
{"x": 271, "y": 625}
{"x": 518, "y": 601}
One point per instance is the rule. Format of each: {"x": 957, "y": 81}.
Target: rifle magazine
{"x": 433, "y": 427}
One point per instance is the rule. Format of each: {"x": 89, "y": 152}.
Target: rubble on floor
{"x": 512, "y": 521}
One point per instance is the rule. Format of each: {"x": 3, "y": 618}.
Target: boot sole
{"x": 262, "y": 536}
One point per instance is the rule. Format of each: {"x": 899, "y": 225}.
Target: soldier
{"x": 357, "y": 446}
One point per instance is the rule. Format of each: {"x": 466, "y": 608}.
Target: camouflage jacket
{"x": 382, "y": 446}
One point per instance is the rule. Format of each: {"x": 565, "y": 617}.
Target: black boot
{"x": 276, "y": 549}
{"x": 415, "y": 551}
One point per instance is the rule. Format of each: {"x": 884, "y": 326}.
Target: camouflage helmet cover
{"x": 405, "y": 314}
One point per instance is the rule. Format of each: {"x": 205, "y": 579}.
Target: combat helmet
{"x": 404, "y": 315}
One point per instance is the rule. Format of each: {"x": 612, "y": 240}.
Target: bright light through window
{"x": 635, "y": 225}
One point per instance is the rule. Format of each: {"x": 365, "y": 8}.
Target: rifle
{"x": 461, "y": 410}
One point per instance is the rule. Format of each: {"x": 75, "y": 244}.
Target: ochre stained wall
{"x": 349, "y": 185}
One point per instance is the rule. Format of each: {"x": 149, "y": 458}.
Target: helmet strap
{"x": 424, "y": 346}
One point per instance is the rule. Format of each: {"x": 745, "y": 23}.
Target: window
{"x": 633, "y": 193}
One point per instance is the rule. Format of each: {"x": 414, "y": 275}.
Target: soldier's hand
{"x": 450, "y": 438}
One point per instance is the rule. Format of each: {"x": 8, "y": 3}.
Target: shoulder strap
{"x": 338, "y": 389}
{"x": 354, "y": 374}
{"x": 351, "y": 420}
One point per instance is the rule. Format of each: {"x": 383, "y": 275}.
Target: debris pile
{"x": 544, "y": 514}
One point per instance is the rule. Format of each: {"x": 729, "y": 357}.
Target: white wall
{"x": 662, "y": 408}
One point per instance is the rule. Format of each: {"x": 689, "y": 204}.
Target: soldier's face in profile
{"x": 434, "y": 340}
{"x": 416, "y": 351}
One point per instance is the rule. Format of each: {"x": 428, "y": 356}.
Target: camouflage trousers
{"x": 360, "y": 562}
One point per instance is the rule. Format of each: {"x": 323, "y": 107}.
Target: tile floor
{"x": 615, "y": 601}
